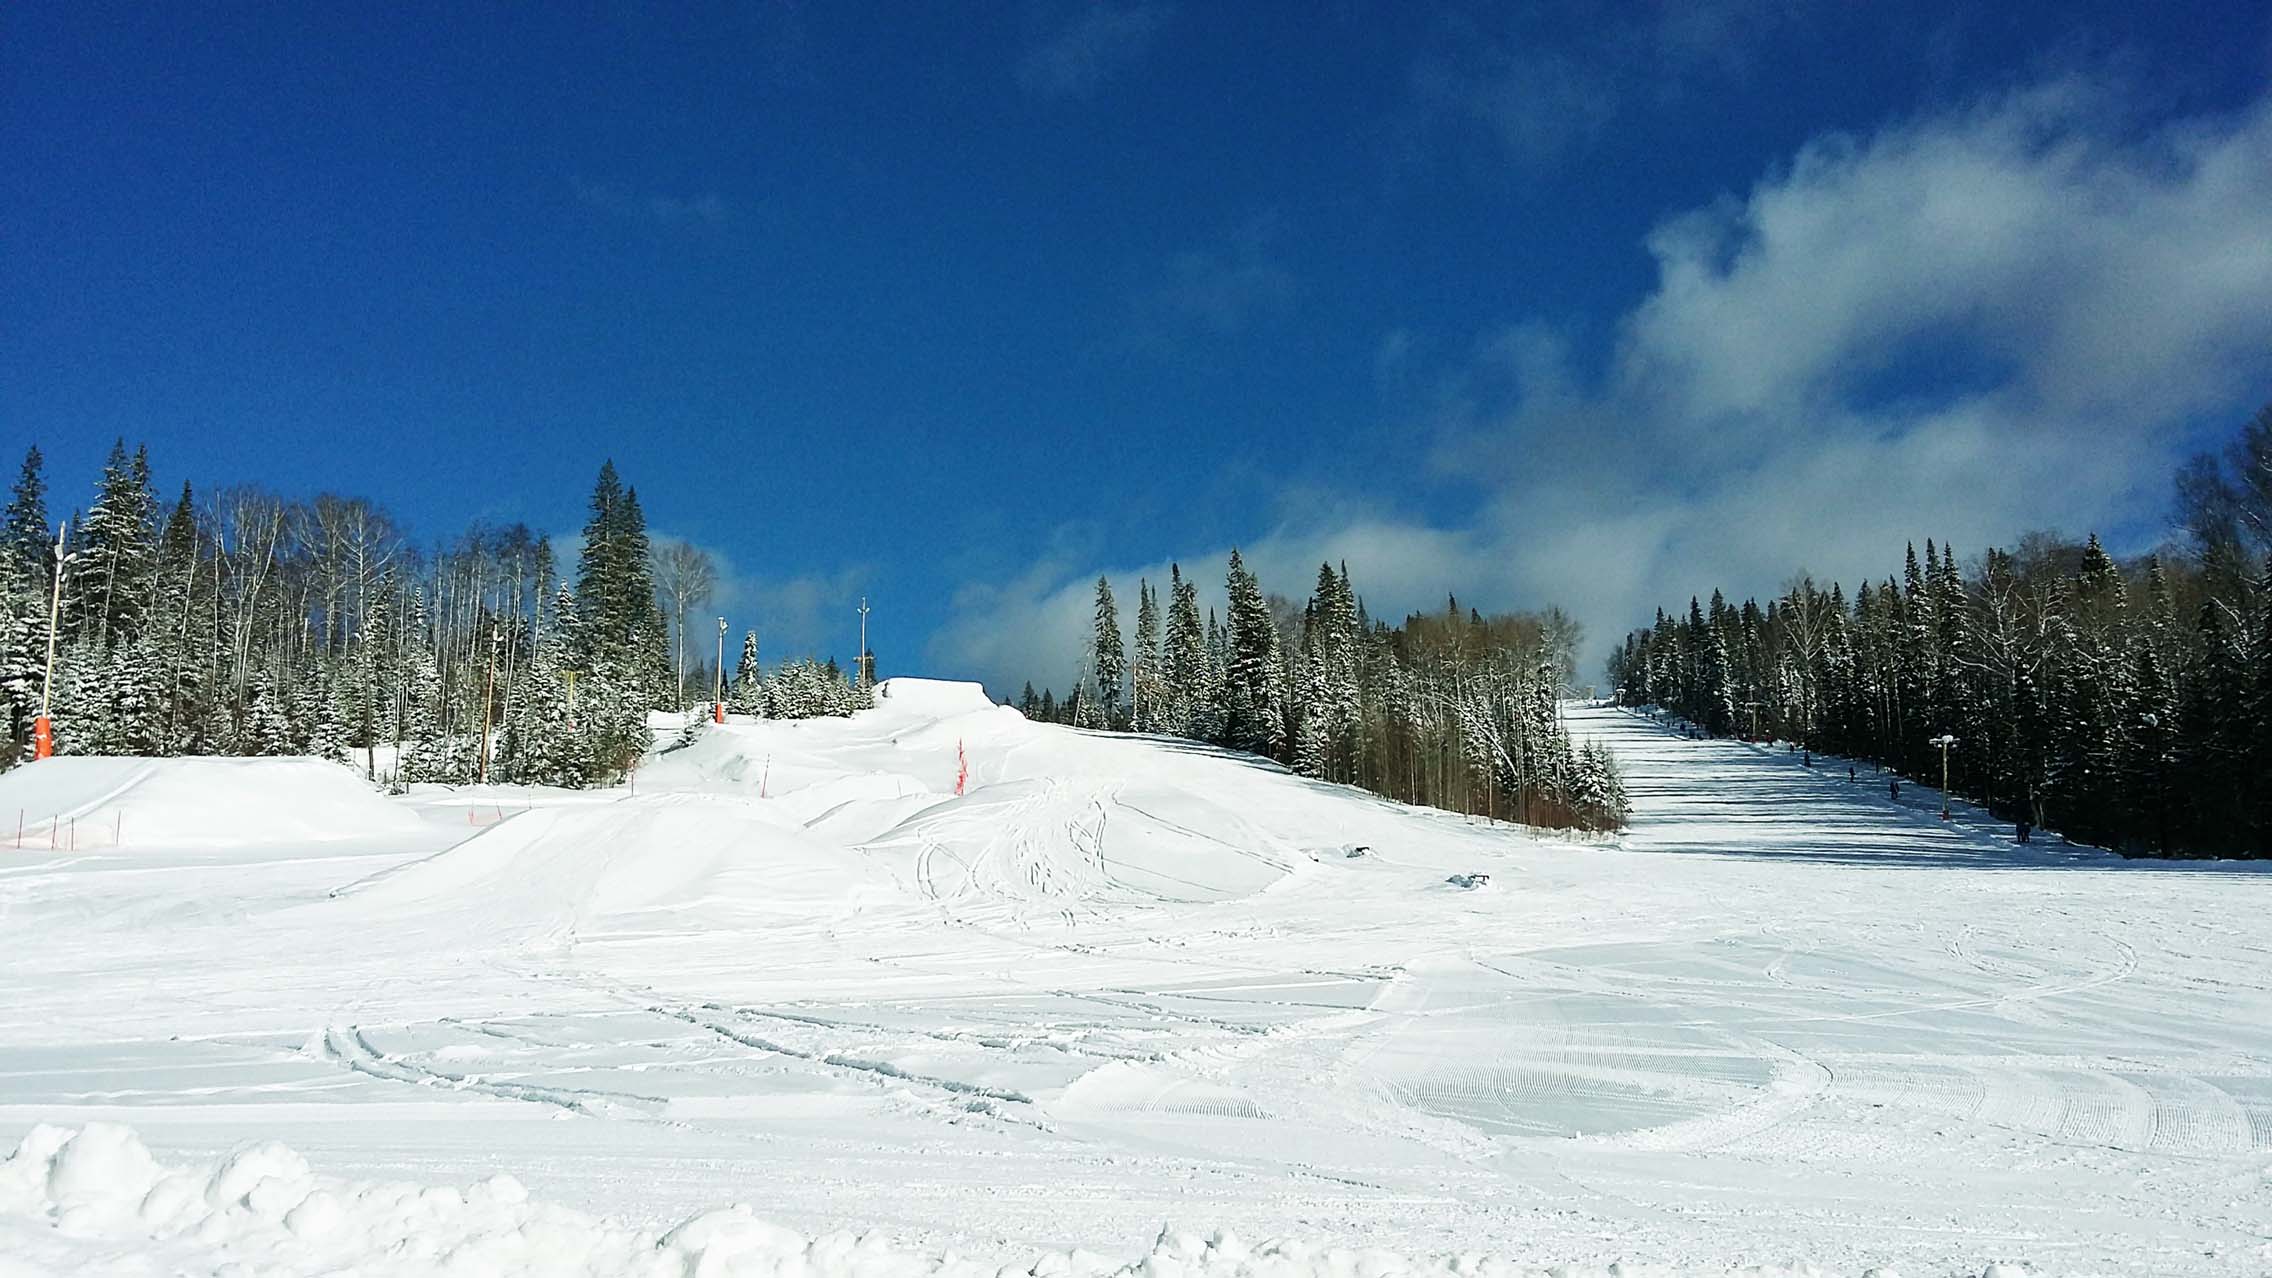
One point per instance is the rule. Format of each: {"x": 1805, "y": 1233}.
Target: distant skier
{"x": 1850, "y": 773}
{"x": 1893, "y": 787}
{"x": 1807, "y": 759}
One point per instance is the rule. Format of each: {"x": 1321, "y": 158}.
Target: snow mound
{"x": 554, "y": 867}
{"x": 1045, "y": 840}
{"x": 109, "y": 802}
{"x": 94, "y": 1200}
{"x": 933, "y": 698}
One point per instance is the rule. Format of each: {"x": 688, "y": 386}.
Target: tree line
{"x": 1450, "y": 709}
{"x": 2127, "y": 705}
{"x": 244, "y": 623}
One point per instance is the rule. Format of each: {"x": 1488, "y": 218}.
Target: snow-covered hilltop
{"x": 1118, "y": 981}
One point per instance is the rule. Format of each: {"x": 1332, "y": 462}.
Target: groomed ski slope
{"x": 1127, "y": 983}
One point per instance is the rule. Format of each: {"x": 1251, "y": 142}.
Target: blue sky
{"x": 959, "y": 306}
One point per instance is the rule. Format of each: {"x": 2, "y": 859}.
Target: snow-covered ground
{"x": 1122, "y": 983}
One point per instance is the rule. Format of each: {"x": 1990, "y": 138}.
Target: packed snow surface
{"x": 1784, "y": 1025}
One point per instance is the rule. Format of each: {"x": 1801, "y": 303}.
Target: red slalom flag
{"x": 962, "y": 768}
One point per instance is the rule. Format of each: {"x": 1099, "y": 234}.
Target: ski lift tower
{"x": 1946, "y": 742}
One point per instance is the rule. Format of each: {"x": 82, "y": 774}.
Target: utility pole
{"x": 867, "y": 675}
{"x": 719, "y": 697}
{"x": 43, "y": 728}
{"x": 488, "y": 682}
{"x": 1946, "y": 743}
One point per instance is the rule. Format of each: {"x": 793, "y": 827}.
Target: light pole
{"x": 867, "y": 676}
{"x": 43, "y": 728}
{"x": 1946, "y": 743}
{"x": 718, "y": 698}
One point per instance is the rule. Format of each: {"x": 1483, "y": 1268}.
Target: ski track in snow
{"x": 1781, "y": 1017}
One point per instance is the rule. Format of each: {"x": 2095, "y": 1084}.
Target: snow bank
{"x": 133, "y": 802}
{"x": 95, "y": 1201}
{"x": 555, "y": 866}
{"x": 933, "y": 698}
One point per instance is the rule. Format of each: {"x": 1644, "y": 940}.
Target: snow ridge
{"x": 70, "y": 1197}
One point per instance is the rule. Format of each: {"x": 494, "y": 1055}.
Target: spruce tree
{"x": 1184, "y": 659}
{"x": 1110, "y": 657}
{"x": 748, "y": 695}
{"x": 1253, "y": 708}
{"x": 1147, "y": 690}
{"x": 27, "y": 540}
{"x": 115, "y": 554}
{"x": 266, "y": 729}
{"x": 542, "y": 743}
{"x": 2145, "y": 758}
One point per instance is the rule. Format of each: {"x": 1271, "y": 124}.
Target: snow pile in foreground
{"x": 95, "y": 1201}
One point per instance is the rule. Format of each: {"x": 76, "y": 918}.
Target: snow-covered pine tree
{"x": 1254, "y": 713}
{"x": 328, "y": 732}
{"x": 115, "y": 554}
{"x": 1109, "y": 658}
{"x": 2144, "y": 756}
{"x": 1340, "y": 690}
{"x": 1147, "y": 689}
{"x": 130, "y": 700}
{"x": 266, "y": 729}
{"x": 27, "y": 539}
{"x": 1212, "y": 710}
{"x": 622, "y": 635}
{"x": 1312, "y": 739}
{"x": 1597, "y": 790}
{"x": 542, "y": 743}
{"x": 1183, "y": 660}
{"x": 747, "y": 695}
{"x": 2084, "y": 773}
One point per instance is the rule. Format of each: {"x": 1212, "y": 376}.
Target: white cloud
{"x": 1545, "y": 79}
{"x": 1076, "y": 55}
{"x": 1220, "y": 289}
{"x": 1962, "y": 326}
